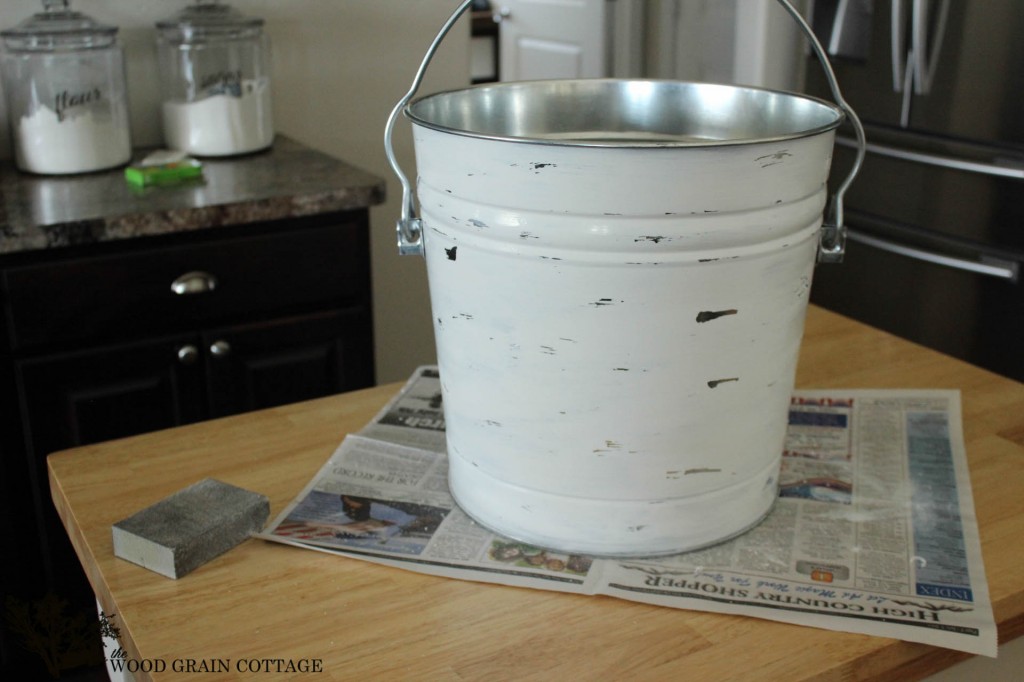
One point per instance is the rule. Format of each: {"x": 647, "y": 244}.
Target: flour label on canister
{"x": 68, "y": 102}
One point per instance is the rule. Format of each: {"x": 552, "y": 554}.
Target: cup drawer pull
{"x": 195, "y": 282}
{"x": 220, "y": 349}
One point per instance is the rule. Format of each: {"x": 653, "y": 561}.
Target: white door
{"x": 552, "y": 39}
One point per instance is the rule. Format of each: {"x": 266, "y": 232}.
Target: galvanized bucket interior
{"x": 625, "y": 113}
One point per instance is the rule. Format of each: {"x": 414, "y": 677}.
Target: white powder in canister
{"x": 86, "y": 142}
{"x": 222, "y": 124}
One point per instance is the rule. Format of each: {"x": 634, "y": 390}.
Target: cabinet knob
{"x": 195, "y": 282}
{"x": 220, "y": 349}
{"x": 188, "y": 354}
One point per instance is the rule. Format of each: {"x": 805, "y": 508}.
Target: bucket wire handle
{"x": 832, "y": 244}
{"x": 833, "y": 232}
{"x": 410, "y": 226}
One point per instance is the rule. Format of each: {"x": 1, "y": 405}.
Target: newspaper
{"x": 874, "y": 531}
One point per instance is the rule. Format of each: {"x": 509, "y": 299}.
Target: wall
{"x": 339, "y": 66}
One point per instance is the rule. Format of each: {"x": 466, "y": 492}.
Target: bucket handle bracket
{"x": 410, "y": 226}
{"x": 832, "y": 241}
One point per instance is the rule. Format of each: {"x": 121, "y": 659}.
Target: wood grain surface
{"x": 363, "y": 621}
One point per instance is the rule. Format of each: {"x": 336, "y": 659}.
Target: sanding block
{"x": 182, "y": 532}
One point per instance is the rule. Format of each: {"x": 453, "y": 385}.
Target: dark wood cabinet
{"x": 284, "y": 361}
{"x": 111, "y": 340}
{"x": 96, "y": 394}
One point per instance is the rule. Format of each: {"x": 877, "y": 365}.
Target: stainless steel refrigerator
{"x": 936, "y": 217}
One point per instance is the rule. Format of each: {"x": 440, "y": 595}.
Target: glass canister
{"x": 63, "y": 77}
{"x": 215, "y": 76}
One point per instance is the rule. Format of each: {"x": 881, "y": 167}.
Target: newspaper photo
{"x": 873, "y": 532}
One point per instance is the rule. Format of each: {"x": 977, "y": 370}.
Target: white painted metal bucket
{"x": 619, "y": 273}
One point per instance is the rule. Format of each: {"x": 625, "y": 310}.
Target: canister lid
{"x": 205, "y": 19}
{"x": 58, "y": 27}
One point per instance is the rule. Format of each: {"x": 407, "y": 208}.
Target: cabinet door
{"x": 552, "y": 39}
{"x": 110, "y": 392}
{"x": 85, "y": 397}
{"x": 287, "y": 360}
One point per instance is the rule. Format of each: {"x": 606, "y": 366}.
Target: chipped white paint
{"x": 617, "y": 331}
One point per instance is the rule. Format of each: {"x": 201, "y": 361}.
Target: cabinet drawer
{"x": 133, "y": 292}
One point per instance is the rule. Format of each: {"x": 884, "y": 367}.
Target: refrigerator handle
{"x": 897, "y": 46}
{"x": 850, "y": 34}
{"x": 985, "y": 265}
{"x": 1008, "y": 169}
{"x": 926, "y": 57}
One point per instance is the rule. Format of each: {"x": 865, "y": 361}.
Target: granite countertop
{"x": 288, "y": 180}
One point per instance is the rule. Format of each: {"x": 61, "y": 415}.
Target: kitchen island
{"x": 354, "y": 620}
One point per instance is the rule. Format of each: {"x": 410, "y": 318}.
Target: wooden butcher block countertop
{"x": 355, "y": 620}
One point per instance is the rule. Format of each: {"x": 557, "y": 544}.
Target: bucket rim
{"x": 825, "y": 116}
